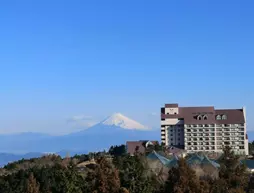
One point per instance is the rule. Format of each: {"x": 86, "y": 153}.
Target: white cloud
{"x": 81, "y": 121}
{"x": 153, "y": 114}
{"x": 80, "y": 118}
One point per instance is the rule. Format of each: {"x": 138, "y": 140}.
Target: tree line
{"x": 120, "y": 173}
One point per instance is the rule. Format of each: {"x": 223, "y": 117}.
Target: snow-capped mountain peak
{"x": 119, "y": 120}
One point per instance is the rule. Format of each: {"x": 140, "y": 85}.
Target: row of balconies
{"x": 200, "y": 139}
{"x": 198, "y": 130}
{"x": 206, "y": 125}
{"x": 230, "y": 134}
{"x": 200, "y": 148}
{"x": 212, "y": 148}
{"x": 210, "y": 134}
{"x": 200, "y": 135}
{"x": 199, "y": 143}
{"x": 216, "y": 125}
{"x": 229, "y": 138}
{"x": 230, "y": 143}
{"x": 232, "y": 146}
{"x": 230, "y": 130}
{"x": 212, "y": 130}
{"x": 229, "y": 125}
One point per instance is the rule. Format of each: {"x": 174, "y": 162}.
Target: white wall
{"x": 171, "y": 111}
{"x": 172, "y": 122}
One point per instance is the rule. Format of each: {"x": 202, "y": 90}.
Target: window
{"x": 224, "y": 117}
{"x": 218, "y": 117}
{"x": 205, "y": 117}
{"x": 175, "y": 113}
{"x": 178, "y": 139}
{"x": 199, "y": 117}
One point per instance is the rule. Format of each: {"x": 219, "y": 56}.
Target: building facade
{"x": 204, "y": 128}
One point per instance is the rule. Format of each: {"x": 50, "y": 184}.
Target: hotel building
{"x": 198, "y": 129}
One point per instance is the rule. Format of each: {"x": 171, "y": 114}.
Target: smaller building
{"x": 139, "y": 146}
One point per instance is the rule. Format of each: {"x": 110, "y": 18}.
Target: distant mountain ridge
{"x": 114, "y": 130}
{"x": 6, "y": 158}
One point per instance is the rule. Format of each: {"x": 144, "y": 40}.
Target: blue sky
{"x": 65, "y": 59}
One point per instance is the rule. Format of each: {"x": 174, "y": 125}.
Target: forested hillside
{"x": 117, "y": 172}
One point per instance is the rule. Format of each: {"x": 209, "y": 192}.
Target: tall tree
{"x": 105, "y": 178}
{"x": 117, "y": 150}
{"x": 32, "y": 185}
{"x": 135, "y": 174}
{"x": 251, "y": 148}
{"x": 183, "y": 179}
{"x": 233, "y": 176}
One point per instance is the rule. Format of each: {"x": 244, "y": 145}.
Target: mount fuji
{"x": 121, "y": 121}
{"x": 114, "y": 130}
{"x": 114, "y": 124}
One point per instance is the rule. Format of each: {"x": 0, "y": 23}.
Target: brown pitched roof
{"x": 190, "y": 114}
{"x": 234, "y": 116}
{"x": 132, "y": 146}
